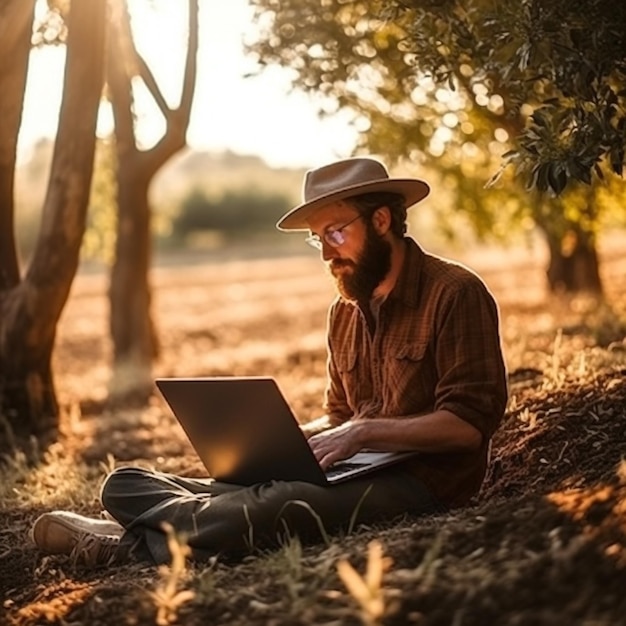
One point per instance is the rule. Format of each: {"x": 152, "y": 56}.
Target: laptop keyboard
{"x": 342, "y": 468}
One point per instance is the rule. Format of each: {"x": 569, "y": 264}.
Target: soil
{"x": 543, "y": 543}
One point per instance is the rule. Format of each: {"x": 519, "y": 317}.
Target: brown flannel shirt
{"x": 435, "y": 346}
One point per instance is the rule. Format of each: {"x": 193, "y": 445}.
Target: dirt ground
{"x": 544, "y": 543}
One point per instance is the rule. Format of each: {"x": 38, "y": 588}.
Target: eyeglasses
{"x": 334, "y": 237}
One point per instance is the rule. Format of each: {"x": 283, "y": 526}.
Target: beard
{"x": 368, "y": 271}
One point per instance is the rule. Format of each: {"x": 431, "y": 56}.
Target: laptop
{"x": 245, "y": 433}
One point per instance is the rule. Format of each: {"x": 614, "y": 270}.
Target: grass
{"x": 367, "y": 590}
{"x": 57, "y": 481}
{"x": 543, "y": 544}
{"x": 168, "y": 596}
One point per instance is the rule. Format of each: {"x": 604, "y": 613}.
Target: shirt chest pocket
{"x": 410, "y": 380}
{"x": 352, "y": 382}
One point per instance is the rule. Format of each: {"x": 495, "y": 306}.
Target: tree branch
{"x": 118, "y": 77}
{"x": 148, "y": 78}
{"x": 178, "y": 119}
{"x": 189, "y": 80}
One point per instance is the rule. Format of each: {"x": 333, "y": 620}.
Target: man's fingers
{"x": 322, "y": 452}
{"x": 326, "y": 455}
{"x": 332, "y": 445}
{"x": 327, "y": 460}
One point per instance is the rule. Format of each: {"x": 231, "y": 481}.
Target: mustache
{"x": 337, "y": 263}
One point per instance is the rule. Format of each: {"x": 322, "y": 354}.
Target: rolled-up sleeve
{"x": 471, "y": 376}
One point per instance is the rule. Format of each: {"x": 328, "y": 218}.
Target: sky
{"x": 251, "y": 116}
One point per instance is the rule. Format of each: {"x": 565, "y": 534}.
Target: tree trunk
{"x": 132, "y": 329}
{"x": 573, "y": 266}
{"x": 28, "y": 404}
{"x": 30, "y": 308}
{"x": 16, "y": 28}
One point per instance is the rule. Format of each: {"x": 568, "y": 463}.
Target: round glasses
{"x": 334, "y": 237}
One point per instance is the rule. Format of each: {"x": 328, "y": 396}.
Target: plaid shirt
{"x": 435, "y": 345}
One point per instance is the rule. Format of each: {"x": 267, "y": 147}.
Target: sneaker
{"x": 88, "y": 540}
{"x": 92, "y": 549}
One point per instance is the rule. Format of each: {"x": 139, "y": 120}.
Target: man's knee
{"x": 117, "y": 484}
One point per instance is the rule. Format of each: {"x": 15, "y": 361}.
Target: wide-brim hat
{"x": 344, "y": 179}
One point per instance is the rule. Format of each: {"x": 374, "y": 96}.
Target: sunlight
{"x": 153, "y": 24}
{"x": 577, "y": 502}
{"x": 57, "y": 602}
{"x": 255, "y": 115}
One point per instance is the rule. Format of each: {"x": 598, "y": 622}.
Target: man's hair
{"x": 367, "y": 203}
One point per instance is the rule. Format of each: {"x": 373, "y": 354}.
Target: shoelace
{"x": 92, "y": 549}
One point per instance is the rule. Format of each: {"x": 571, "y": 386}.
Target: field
{"x": 544, "y": 543}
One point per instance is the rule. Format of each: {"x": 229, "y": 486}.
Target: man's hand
{"x": 336, "y": 444}
{"x": 310, "y": 429}
{"x": 440, "y": 431}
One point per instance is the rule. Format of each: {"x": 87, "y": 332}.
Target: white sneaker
{"x": 90, "y": 541}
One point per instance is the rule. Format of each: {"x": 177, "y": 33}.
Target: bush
{"x": 237, "y": 212}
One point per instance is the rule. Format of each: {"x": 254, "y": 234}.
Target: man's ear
{"x": 382, "y": 220}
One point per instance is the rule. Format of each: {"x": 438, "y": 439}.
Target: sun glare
{"x": 254, "y": 115}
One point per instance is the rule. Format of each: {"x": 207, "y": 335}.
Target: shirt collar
{"x": 407, "y": 287}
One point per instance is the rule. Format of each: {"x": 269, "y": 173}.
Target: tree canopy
{"x": 549, "y": 74}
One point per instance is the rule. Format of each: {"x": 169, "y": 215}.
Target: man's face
{"x": 362, "y": 261}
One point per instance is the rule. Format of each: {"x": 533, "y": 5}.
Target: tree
{"x": 14, "y": 57}
{"x": 30, "y": 306}
{"x": 539, "y": 82}
{"x": 132, "y": 329}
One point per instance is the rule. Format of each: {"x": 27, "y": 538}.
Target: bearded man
{"x": 414, "y": 364}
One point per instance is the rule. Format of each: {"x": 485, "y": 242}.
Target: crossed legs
{"x": 218, "y": 517}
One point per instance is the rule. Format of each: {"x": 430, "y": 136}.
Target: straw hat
{"x": 343, "y": 179}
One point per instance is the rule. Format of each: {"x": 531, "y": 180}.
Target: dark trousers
{"x": 217, "y": 517}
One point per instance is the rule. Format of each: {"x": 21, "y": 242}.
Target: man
{"x": 414, "y": 363}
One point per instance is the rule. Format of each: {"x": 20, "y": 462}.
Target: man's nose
{"x": 328, "y": 252}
